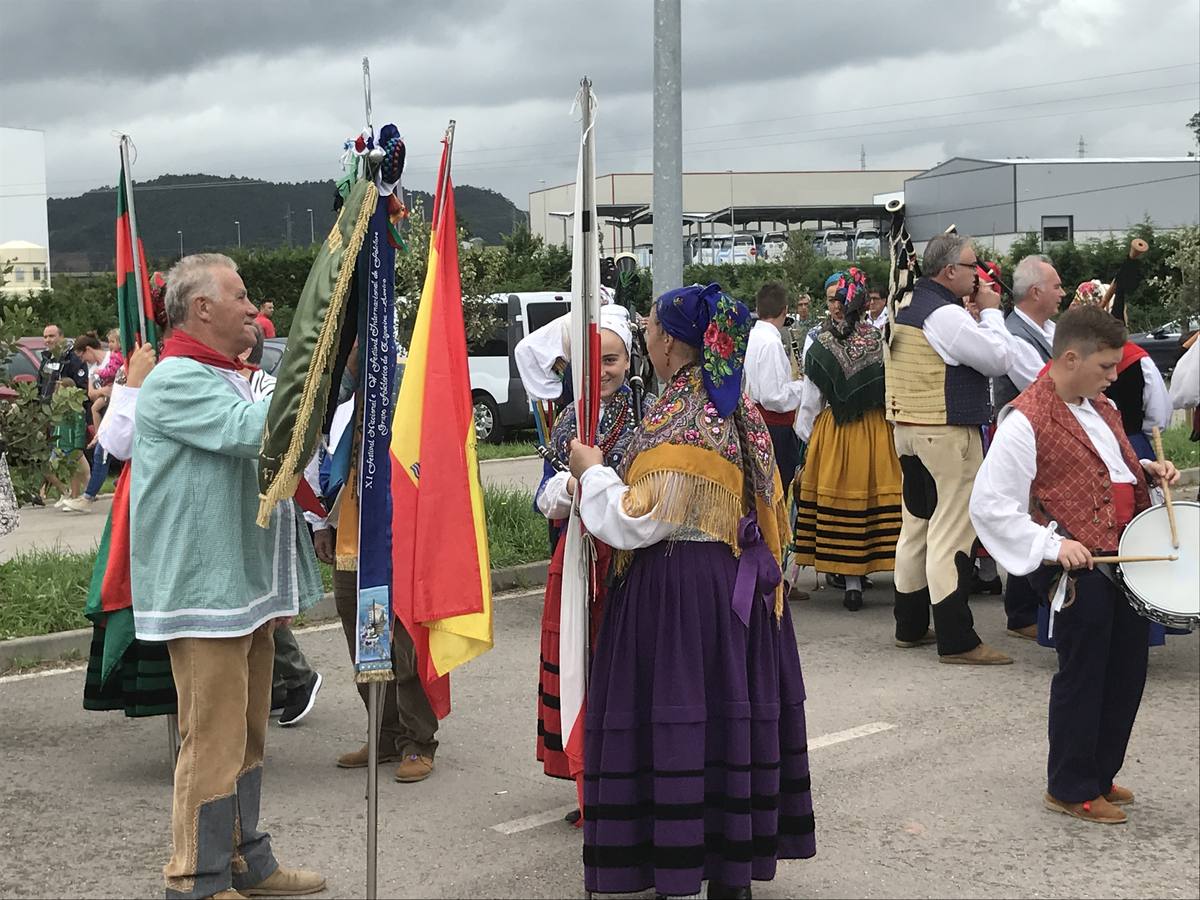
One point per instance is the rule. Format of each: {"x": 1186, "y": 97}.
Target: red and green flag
{"x": 131, "y": 323}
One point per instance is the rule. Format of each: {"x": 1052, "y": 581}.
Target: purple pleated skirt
{"x": 696, "y": 752}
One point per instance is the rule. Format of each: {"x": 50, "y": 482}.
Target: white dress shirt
{"x": 1027, "y": 360}
{"x": 880, "y": 320}
{"x": 1156, "y": 401}
{"x": 961, "y": 341}
{"x": 115, "y": 433}
{"x": 768, "y": 372}
{"x": 812, "y": 401}
{"x": 602, "y": 508}
{"x": 535, "y": 355}
{"x": 1185, "y": 380}
{"x": 552, "y": 499}
{"x": 1000, "y": 498}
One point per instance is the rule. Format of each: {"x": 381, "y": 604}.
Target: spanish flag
{"x": 442, "y": 588}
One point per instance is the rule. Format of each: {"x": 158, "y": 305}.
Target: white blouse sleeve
{"x": 553, "y": 501}
{"x": 1156, "y": 402}
{"x": 601, "y": 505}
{"x": 115, "y": 433}
{"x": 812, "y": 401}
{"x": 1000, "y": 500}
{"x": 1185, "y": 380}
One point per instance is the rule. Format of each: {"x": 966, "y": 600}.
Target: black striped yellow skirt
{"x": 848, "y": 497}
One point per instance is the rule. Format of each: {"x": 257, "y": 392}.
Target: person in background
{"x": 769, "y": 381}
{"x": 264, "y": 318}
{"x": 87, "y": 348}
{"x": 877, "y": 308}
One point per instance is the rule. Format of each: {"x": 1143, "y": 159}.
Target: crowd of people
{"x": 919, "y": 439}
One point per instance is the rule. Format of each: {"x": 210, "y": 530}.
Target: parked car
{"x": 774, "y": 245}
{"x": 867, "y": 242}
{"x": 1164, "y": 344}
{"x": 22, "y": 364}
{"x": 273, "y": 354}
{"x": 834, "y": 243}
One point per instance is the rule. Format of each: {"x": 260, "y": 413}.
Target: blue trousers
{"x": 1094, "y": 697}
{"x": 1020, "y": 602}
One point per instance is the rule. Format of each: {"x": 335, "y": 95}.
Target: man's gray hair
{"x": 1028, "y": 275}
{"x": 192, "y": 277}
{"x": 944, "y": 250}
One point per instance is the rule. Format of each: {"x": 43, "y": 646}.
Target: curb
{"x": 75, "y": 644}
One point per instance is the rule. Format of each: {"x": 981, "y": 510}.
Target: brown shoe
{"x": 227, "y": 894}
{"x": 357, "y": 759}
{"x": 287, "y": 883}
{"x": 1119, "y": 796}
{"x": 798, "y": 596}
{"x": 1028, "y": 632}
{"x": 1099, "y": 810}
{"x": 414, "y": 768}
{"x": 929, "y": 637}
{"x": 983, "y": 655}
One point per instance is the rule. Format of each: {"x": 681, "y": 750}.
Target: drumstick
{"x": 1113, "y": 560}
{"x": 1166, "y": 488}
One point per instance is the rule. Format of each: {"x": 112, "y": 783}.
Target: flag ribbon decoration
{"x": 377, "y": 365}
{"x": 441, "y": 568}
{"x": 109, "y": 600}
{"x": 579, "y": 568}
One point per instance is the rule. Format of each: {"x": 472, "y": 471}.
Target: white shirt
{"x": 961, "y": 341}
{"x": 552, "y": 499}
{"x": 1027, "y": 360}
{"x": 880, "y": 320}
{"x": 602, "y": 508}
{"x": 1185, "y": 380}
{"x": 812, "y": 401}
{"x": 535, "y": 355}
{"x": 1156, "y": 402}
{"x": 1000, "y": 497}
{"x": 115, "y": 433}
{"x": 768, "y": 372}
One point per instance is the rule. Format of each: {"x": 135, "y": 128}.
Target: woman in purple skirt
{"x": 696, "y": 760}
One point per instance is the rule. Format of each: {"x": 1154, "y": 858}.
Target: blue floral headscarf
{"x": 710, "y": 320}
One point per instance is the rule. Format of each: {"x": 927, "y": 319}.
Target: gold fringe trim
{"x": 291, "y": 466}
{"x": 689, "y": 501}
{"x": 346, "y": 563}
{"x": 375, "y": 676}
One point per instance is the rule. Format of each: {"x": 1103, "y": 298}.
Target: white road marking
{"x": 849, "y": 734}
{"x": 534, "y": 821}
{"x": 545, "y": 818}
{"x": 25, "y": 676}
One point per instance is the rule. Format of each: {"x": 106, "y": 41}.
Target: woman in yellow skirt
{"x": 848, "y": 492}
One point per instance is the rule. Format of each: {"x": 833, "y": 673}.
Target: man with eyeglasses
{"x": 937, "y": 395}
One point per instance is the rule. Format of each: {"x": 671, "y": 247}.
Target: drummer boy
{"x": 1058, "y": 486}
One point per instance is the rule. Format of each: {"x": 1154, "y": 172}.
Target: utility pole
{"x": 239, "y": 231}
{"x": 1082, "y": 147}
{"x": 862, "y": 157}
{"x": 312, "y": 234}
{"x": 668, "y": 147}
{"x": 287, "y": 221}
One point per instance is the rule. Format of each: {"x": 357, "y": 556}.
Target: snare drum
{"x": 1166, "y": 592}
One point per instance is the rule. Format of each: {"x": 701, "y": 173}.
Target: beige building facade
{"x": 30, "y": 267}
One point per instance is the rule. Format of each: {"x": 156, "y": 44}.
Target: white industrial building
{"x": 24, "y": 226}
{"x": 714, "y": 200}
{"x": 999, "y": 200}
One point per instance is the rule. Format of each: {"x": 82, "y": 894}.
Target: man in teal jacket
{"x": 211, "y": 583}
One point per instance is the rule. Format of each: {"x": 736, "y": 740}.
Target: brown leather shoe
{"x": 929, "y": 637}
{"x": 796, "y": 595}
{"x": 1119, "y": 796}
{"x": 227, "y": 894}
{"x": 1028, "y": 632}
{"x": 357, "y": 759}
{"x": 983, "y": 655}
{"x": 287, "y": 883}
{"x": 414, "y": 768}
{"x": 1099, "y": 810}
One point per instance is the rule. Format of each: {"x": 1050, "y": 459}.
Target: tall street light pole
{"x": 239, "y": 232}
{"x": 180, "y": 233}
{"x": 668, "y": 147}
{"x": 312, "y": 234}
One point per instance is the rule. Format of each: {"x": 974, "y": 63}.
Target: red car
{"x": 22, "y": 365}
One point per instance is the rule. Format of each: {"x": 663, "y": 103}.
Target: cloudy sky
{"x": 269, "y": 89}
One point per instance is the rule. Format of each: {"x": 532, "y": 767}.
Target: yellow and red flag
{"x": 441, "y": 571}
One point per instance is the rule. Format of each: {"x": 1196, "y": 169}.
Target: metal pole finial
{"x": 366, "y": 68}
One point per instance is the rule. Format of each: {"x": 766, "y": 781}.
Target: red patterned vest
{"x": 1072, "y": 485}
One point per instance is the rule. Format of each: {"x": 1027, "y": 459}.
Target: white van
{"x": 774, "y": 245}
{"x": 741, "y": 250}
{"x": 497, "y": 394}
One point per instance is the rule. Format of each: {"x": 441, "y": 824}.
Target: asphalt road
{"x": 927, "y": 780}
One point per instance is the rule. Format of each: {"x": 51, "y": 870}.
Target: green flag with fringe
{"x": 314, "y": 345}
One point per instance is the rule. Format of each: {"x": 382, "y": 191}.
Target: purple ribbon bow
{"x": 757, "y": 573}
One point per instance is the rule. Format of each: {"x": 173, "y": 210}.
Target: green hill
{"x": 205, "y": 207}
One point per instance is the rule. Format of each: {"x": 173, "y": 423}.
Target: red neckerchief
{"x": 1131, "y": 354}
{"x": 180, "y": 343}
